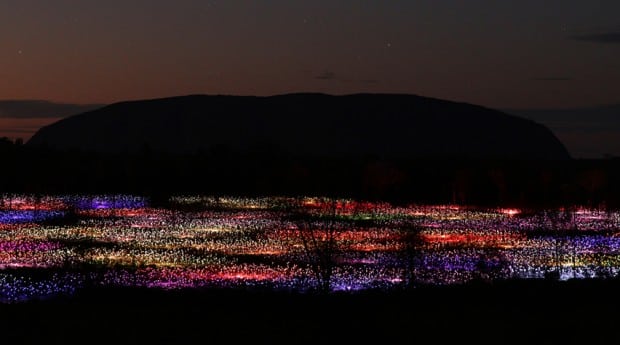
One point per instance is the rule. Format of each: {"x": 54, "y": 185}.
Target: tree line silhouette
{"x": 221, "y": 171}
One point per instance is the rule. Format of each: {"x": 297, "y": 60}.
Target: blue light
{"x": 27, "y": 216}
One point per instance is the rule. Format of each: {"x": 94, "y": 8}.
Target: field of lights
{"x": 56, "y": 245}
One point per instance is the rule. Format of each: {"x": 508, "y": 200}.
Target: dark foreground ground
{"x": 535, "y": 312}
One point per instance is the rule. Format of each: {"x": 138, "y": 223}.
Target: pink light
{"x": 510, "y": 211}
{"x": 244, "y": 276}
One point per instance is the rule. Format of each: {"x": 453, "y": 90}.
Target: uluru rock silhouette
{"x": 381, "y": 125}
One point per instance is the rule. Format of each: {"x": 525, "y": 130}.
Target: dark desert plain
{"x": 196, "y": 172}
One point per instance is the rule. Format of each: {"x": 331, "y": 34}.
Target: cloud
{"x": 29, "y": 109}
{"x": 553, "y": 79}
{"x": 327, "y": 75}
{"x": 605, "y": 37}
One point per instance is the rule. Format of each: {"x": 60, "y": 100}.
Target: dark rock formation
{"x": 380, "y": 125}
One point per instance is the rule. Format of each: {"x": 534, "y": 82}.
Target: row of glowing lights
{"x": 155, "y": 247}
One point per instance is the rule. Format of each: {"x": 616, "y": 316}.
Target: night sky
{"x": 553, "y": 54}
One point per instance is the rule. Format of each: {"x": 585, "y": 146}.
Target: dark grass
{"x": 516, "y": 312}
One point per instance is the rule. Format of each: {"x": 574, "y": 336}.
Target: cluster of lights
{"x": 275, "y": 242}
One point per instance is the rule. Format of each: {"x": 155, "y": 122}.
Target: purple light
{"x": 27, "y": 246}
{"x": 27, "y": 216}
{"x": 109, "y": 202}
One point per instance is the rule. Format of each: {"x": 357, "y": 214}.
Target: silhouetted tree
{"x": 593, "y": 181}
{"x": 561, "y": 223}
{"x": 412, "y": 243}
{"x": 491, "y": 265}
{"x": 317, "y": 233}
{"x": 381, "y": 179}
